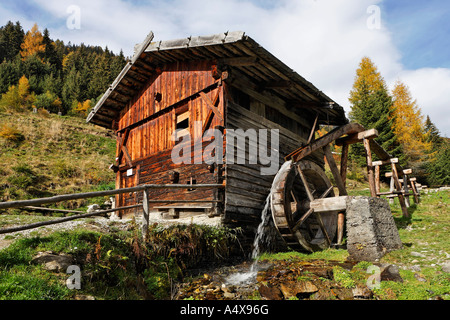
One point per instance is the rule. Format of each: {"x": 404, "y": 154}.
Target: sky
{"x": 322, "y": 40}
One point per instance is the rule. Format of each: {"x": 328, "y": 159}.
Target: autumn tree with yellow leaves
{"x": 33, "y": 43}
{"x": 409, "y": 126}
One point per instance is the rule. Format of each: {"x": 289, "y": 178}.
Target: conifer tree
{"x": 433, "y": 135}
{"x": 11, "y": 37}
{"x": 371, "y": 106}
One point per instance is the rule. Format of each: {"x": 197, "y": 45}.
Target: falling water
{"x": 250, "y": 275}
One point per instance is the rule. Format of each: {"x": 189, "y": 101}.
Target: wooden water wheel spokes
{"x": 295, "y": 186}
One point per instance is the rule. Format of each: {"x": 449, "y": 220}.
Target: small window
{"x": 182, "y": 122}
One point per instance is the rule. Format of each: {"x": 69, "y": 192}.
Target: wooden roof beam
{"x": 239, "y": 61}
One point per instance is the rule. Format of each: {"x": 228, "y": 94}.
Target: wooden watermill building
{"x": 225, "y": 81}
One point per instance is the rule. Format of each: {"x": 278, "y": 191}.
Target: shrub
{"x": 11, "y": 134}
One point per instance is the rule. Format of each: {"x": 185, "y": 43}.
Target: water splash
{"x": 248, "y": 277}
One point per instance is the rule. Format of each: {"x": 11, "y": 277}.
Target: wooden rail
{"x": 29, "y": 204}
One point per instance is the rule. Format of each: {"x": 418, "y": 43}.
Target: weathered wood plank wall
{"x": 247, "y": 189}
{"x": 151, "y": 120}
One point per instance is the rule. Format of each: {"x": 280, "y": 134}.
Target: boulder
{"x": 53, "y": 262}
{"x": 270, "y": 293}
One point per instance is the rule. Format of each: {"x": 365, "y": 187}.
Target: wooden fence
{"x": 60, "y": 198}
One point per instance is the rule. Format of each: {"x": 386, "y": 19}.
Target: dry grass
{"x": 64, "y": 154}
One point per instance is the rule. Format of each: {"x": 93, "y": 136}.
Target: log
{"x": 52, "y": 209}
{"x": 65, "y": 219}
{"x": 86, "y": 195}
{"x": 329, "y": 204}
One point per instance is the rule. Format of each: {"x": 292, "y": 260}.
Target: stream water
{"x": 249, "y": 276}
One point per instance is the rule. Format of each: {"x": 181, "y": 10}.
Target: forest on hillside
{"x": 39, "y": 72}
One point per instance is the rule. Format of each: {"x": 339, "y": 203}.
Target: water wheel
{"x": 294, "y": 187}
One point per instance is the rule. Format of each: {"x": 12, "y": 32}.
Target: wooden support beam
{"x": 398, "y": 186}
{"x": 405, "y": 188}
{"x": 377, "y": 179}
{"x": 310, "y": 211}
{"x": 414, "y": 189}
{"x": 334, "y": 170}
{"x": 370, "y": 172}
{"x": 211, "y": 106}
{"x": 385, "y": 162}
{"x": 304, "y": 151}
{"x": 211, "y": 112}
{"x": 123, "y": 149}
{"x": 344, "y": 160}
{"x": 357, "y": 137}
{"x": 332, "y": 204}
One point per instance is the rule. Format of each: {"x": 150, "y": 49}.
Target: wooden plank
{"x": 385, "y": 162}
{"x": 302, "y": 152}
{"x": 357, "y": 137}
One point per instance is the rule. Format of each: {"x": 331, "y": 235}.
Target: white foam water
{"x": 242, "y": 278}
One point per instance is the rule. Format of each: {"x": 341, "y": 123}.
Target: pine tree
{"x": 10, "y": 72}
{"x": 438, "y": 157}
{"x": 11, "y": 37}
{"x": 371, "y": 106}
{"x": 71, "y": 88}
{"x": 409, "y": 127}
{"x": 50, "y": 55}
{"x": 433, "y": 135}
{"x": 32, "y": 43}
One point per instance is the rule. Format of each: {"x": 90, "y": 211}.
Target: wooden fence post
{"x": 145, "y": 213}
{"x": 401, "y": 198}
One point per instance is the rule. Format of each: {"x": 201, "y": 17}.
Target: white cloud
{"x": 323, "y": 40}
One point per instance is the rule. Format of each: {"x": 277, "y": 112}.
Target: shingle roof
{"x": 234, "y": 49}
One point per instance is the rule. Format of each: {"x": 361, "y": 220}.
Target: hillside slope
{"x": 45, "y": 154}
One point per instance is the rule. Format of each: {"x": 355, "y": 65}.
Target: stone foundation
{"x": 371, "y": 230}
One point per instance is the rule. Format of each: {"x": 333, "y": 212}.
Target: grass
{"x": 425, "y": 232}
{"x": 60, "y": 154}
{"x": 115, "y": 266}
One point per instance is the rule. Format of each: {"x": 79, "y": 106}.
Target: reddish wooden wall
{"x": 151, "y": 120}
